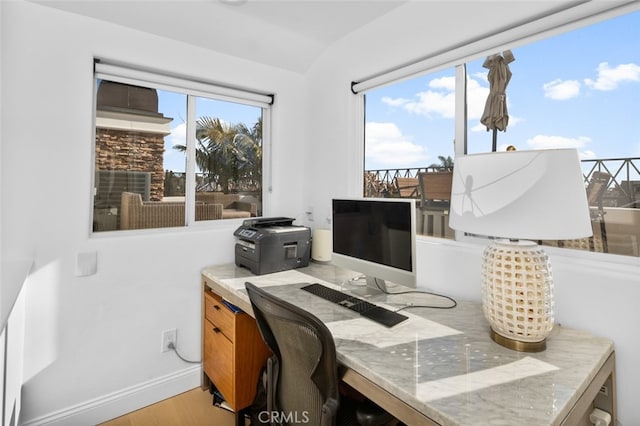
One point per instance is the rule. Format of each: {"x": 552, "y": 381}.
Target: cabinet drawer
{"x": 218, "y": 361}
{"x": 221, "y": 316}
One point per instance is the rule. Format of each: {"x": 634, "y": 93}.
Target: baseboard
{"x": 116, "y": 404}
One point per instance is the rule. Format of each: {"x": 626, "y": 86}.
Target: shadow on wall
{"x": 42, "y": 334}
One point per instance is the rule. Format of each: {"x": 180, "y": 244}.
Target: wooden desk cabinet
{"x": 233, "y": 352}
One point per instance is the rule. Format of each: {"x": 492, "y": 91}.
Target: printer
{"x": 272, "y": 244}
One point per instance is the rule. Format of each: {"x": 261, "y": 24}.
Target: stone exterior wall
{"x": 126, "y": 150}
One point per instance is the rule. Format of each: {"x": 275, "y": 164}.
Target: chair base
{"x": 372, "y": 415}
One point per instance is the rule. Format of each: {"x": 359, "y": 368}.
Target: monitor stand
{"x": 374, "y": 287}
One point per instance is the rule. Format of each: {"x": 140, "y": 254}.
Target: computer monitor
{"x": 376, "y": 237}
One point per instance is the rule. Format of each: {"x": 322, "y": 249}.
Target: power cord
{"x": 172, "y": 346}
{"x": 408, "y": 306}
{"x": 599, "y": 417}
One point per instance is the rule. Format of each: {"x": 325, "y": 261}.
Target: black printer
{"x": 272, "y": 244}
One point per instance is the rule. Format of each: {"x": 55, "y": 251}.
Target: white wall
{"x": 591, "y": 294}
{"x": 99, "y": 336}
{"x": 2, "y": 43}
{"x": 93, "y": 340}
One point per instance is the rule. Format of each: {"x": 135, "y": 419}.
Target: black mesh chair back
{"x": 305, "y": 387}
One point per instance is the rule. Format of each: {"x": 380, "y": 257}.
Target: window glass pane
{"x": 145, "y": 174}
{"x": 174, "y": 160}
{"x": 409, "y": 133}
{"x": 132, "y": 128}
{"x": 581, "y": 90}
{"x": 229, "y": 157}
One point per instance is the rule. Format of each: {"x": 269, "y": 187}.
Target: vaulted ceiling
{"x": 291, "y": 34}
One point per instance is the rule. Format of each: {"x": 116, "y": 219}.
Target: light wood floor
{"x": 192, "y": 408}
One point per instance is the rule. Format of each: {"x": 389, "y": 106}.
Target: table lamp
{"x": 516, "y": 197}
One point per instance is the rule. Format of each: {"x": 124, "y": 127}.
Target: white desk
{"x": 440, "y": 366}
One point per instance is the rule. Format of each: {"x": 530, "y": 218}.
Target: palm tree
{"x": 252, "y": 148}
{"x": 228, "y": 154}
{"x": 446, "y": 163}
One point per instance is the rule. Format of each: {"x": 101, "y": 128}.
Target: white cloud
{"x": 431, "y": 103}
{"x": 609, "y": 78}
{"x": 387, "y": 147}
{"x": 439, "y": 100}
{"x": 477, "y": 98}
{"x": 394, "y": 102}
{"x": 514, "y": 120}
{"x": 584, "y": 155}
{"x": 174, "y": 159}
{"x": 178, "y": 136}
{"x": 550, "y": 142}
{"x": 446, "y": 83}
{"x": 561, "y": 90}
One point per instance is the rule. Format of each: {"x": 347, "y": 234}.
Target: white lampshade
{"x": 529, "y": 195}
{"x": 536, "y": 195}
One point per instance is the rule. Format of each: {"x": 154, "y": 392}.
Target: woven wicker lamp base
{"x": 517, "y": 294}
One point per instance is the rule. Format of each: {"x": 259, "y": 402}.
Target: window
{"x": 579, "y": 89}
{"x": 409, "y": 135}
{"x": 171, "y": 156}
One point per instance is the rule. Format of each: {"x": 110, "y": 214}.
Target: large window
{"x": 166, "y": 157}
{"x": 409, "y": 135}
{"x": 579, "y": 89}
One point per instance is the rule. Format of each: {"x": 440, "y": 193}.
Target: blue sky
{"x": 580, "y": 89}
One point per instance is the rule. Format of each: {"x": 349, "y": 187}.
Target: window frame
{"x": 571, "y": 18}
{"x": 191, "y": 88}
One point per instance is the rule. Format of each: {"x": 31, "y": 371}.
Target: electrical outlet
{"x": 168, "y": 336}
{"x": 604, "y": 390}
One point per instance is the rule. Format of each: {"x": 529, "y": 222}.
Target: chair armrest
{"x": 156, "y": 215}
{"x": 247, "y": 207}
{"x": 271, "y": 382}
{"x": 209, "y": 211}
{"x": 166, "y": 214}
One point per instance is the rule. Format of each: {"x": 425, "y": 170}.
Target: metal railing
{"x": 623, "y": 190}
{"x": 380, "y": 183}
{"x": 175, "y": 184}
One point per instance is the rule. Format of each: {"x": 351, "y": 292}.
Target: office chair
{"x": 303, "y": 378}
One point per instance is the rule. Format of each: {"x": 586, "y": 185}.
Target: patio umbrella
{"x": 495, "y": 115}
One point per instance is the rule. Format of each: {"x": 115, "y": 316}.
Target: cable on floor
{"x": 172, "y": 346}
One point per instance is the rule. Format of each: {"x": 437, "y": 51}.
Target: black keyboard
{"x": 368, "y": 310}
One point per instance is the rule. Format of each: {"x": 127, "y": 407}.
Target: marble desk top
{"x": 441, "y": 362}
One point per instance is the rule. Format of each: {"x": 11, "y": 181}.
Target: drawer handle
{"x": 216, "y": 307}
{"x": 216, "y": 330}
